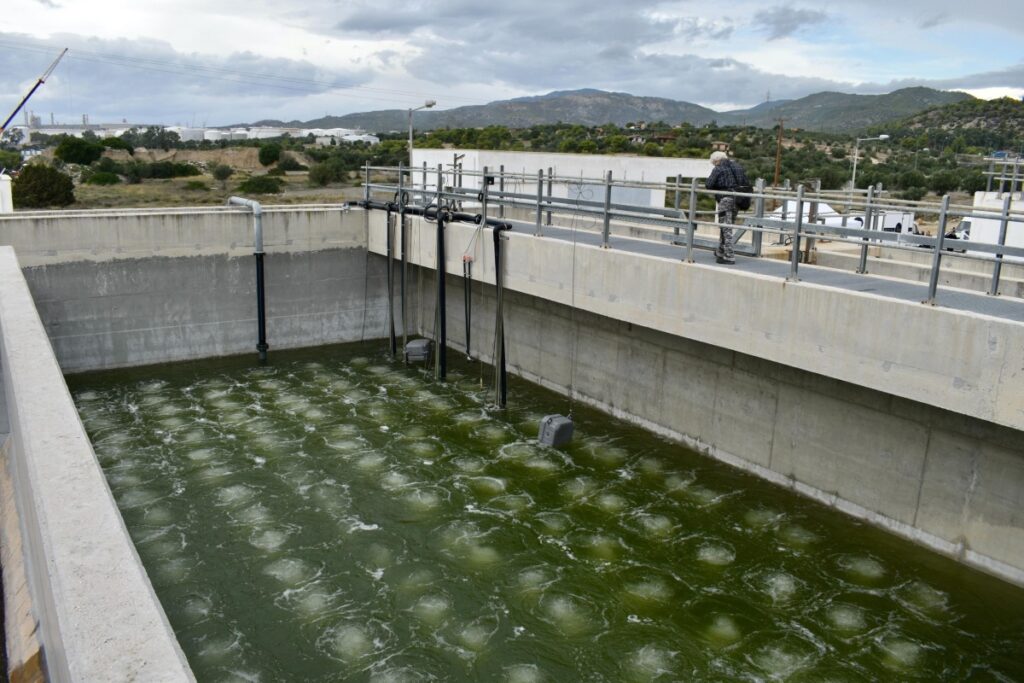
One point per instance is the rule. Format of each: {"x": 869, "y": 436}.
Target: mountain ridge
{"x": 824, "y": 111}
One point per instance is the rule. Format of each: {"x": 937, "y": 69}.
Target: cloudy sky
{"x": 229, "y": 61}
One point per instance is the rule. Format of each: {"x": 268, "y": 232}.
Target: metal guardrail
{"x": 681, "y": 223}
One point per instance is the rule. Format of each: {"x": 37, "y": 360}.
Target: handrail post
{"x": 797, "y": 225}
{"x": 997, "y": 269}
{"x": 551, "y": 177}
{"x": 691, "y": 224}
{"x": 607, "y": 210}
{"x": 862, "y": 265}
{"x": 501, "y": 190}
{"x": 540, "y": 200}
{"x": 758, "y": 237}
{"x": 940, "y": 238}
{"x": 441, "y": 359}
{"x": 677, "y": 202}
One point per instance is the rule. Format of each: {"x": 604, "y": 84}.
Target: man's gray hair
{"x": 718, "y": 156}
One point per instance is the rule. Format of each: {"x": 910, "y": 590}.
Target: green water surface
{"x": 337, "y": 516}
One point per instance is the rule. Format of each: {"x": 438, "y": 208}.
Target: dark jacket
{"x": 727, "y": 175}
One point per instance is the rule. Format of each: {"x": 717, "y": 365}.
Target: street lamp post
{"x": 856, "y": 148}
{"x": 426, "y": 105}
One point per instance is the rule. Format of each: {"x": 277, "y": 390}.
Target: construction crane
{"x": 42, "y": 79}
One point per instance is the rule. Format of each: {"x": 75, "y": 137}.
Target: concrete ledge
{"x": 99, "y": 619}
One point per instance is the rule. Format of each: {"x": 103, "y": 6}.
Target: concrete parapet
{"x": 960, "y": 361}
{"x": 98, "y": 617}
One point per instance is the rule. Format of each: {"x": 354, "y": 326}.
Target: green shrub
{"x": 290, "y": 163}
{"x": 74, "y": 150}
{"x": 198, "y": 185}
{"x": 9, "y": 160}
{"x": 270, "y": 153}
{"x": 103, "y": 178}
{"x": 261, "y": 184}
{"x": 39, "y": 187}
{"x": 277, "y": 171}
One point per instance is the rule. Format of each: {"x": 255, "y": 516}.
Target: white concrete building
{"x": 589, "y": 169}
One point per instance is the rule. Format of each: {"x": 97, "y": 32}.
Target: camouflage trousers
{"x": 726, "y": 218}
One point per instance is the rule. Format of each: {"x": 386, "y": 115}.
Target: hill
{"x": 827, "y": 111}
{"x": 991, "y": 124}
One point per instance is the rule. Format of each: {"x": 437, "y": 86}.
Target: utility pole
{"x": 778, "y": 154}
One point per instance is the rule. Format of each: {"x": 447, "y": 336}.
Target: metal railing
{"x": 796, "y": 217}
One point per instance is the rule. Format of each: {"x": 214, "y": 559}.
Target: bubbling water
{"x": 377, "y": 525}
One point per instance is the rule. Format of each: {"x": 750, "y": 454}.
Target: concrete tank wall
{"x": 132, "y": 288}
{"x": 712, "y": 357}
{"x": 96, "y": 614}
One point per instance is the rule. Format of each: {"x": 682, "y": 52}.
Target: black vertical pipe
{"x": 388, "y": 226}
{"x": 442, "y": 342}
{"x": 261, "y": 315}
{"x": 467, "y": 284}
{"x": 499, "y": 327}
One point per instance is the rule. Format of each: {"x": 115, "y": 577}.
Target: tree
{"x": 9, "y": 160}
{"x": 40, "y": 187}
{"x": 74, "y": 150}
{"x": 221, "y": 172}
{"x": 270, "y": 153}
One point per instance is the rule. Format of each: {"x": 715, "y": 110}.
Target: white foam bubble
{"x": 474, "y": 637}
{"x": 394, "y": 480}
{"x": 862, "y": 568}
{"x": 847, "y": 618}
{"x": 235, "y": 494}
{"x": 351, "y": 642}
{"x": 779, "y": 661}
{"x": 134, "y": 498}
{"x": 781, "y": 586}
{"x": 512, "y": 503}
{"x": 201, "y": 454}
{"x": 289, "y": 571}
{"x": 761, "y": 517}
{"x": 269, "y": 540}
{"x": 554, "y": 523}
{"x": 716, "y": 555}
{"x": 523, "y": 673}
{"x": 254, "y": 515}
{"x": 578, "y": 488}
{"x": 175, "y": 569}
{"x": 900, "y": 654}
{"x": 371, "y": 462}
{"x": 158, "y": 516}
{"x": 469, "y": 464}
{"x": 422, "y": 501}
{"x": 656, "y": 526}
{"x": 651, "y": 591}
{"x": 487, "y": 486}
{"x": 432, "y": 609}
{"x": 723, "y": 630}
{"x": 220, "y": 648}
{"x": 608, "y": 455}
{"x": 648, "y": 663}
{"x": 570, "y": 615}
{"x": 313, "y": 602}
{"x": 797, "y": 536}
{"x": 196, "y": 608}
{"x": 611, "y": 502}
{"x": 603, "y": 547}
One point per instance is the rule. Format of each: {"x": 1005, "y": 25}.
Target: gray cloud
{"x": 779, "y": 22}
{"x": 933, "y": 20}
{"x": 150, "y": 81}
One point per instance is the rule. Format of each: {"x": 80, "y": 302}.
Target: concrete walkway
{"x": 1005, "y": 308}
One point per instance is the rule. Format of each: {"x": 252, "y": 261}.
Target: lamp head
{"x": 430, "y": 103}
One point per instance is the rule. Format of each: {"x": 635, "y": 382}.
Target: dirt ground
{"x": 176, "y": 192}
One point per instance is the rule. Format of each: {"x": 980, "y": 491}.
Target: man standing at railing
{"x": 726, "y": 175}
